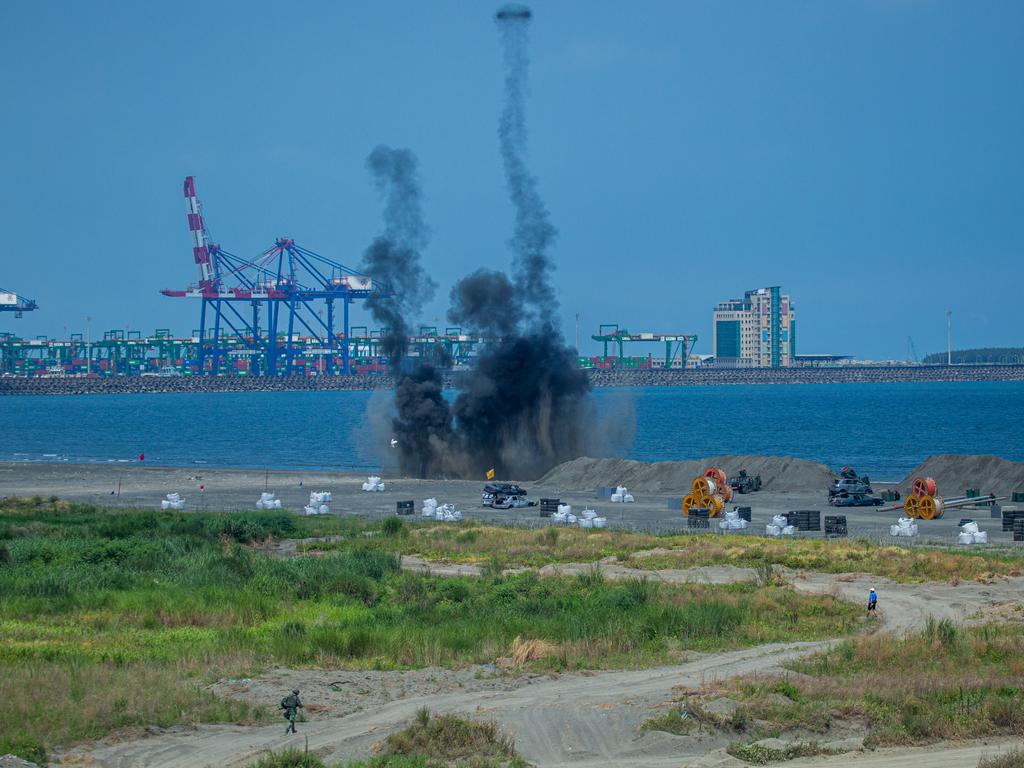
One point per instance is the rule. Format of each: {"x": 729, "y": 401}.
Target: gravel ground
{"x": 232, "y": 489}
{"x": 238, "y": 489}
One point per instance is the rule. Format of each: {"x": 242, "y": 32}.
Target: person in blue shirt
{"x": 872, "y": 600}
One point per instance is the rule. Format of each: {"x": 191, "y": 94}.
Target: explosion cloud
{"x": 523, "y": 407}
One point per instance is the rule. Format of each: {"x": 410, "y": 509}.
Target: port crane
{"x": 266, "y": 299}
{"x": 12, "y": 302}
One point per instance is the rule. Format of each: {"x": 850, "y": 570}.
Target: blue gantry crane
{"x": 267, "y": 299}
{"x": 12, "y": 302}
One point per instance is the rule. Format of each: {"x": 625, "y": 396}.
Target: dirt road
{"x": 585, "y": 720}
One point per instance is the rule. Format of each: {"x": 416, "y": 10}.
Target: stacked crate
{"x": 549, "y": 506}
{"x": 698, "y": 518}
{"x": 835, "y": 526}
{"x": 805, "y": 519}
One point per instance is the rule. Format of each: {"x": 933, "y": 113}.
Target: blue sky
{"x": 866, "y": 156}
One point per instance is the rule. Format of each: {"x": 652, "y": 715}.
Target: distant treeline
{"x": 1013, "y": 355}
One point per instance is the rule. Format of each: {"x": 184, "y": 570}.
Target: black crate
{"x": 1018, "y": 496}
{"x": 805, "y": 519}
{"x": 698, "y": 521}
{"x": 404, "y": 507}
{"x": 549, "y": 505}
{"x": 1010, "y": 516}
{"x": 964, "y": 521}
{"x": 744, "y": 513}
{"x": 835, "y": 526}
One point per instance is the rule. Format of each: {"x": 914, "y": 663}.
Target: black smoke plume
{"x": 534, "y": 234}
{"x": 523, "y": 407}
{"x": 393, "y": 258}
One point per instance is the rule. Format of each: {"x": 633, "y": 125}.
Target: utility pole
{"x": 577, "y": 334}
{"x": 88, "y": 345}
{"x": 949, "y": 337}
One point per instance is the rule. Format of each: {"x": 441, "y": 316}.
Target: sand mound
{"x": 779, "y": 473}
{"x": 954, "y": 474}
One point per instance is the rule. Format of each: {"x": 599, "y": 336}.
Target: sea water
{"x": 880, "y": 429}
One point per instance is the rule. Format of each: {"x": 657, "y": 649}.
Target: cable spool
{"x": 931, "y": 507}
{"x": 715, "y": 506}
{"x": 923, "y": 486}
{"x": 717, "y": 475}
{"x": 689, "y": 502}
{"x": 912, "y": 507}
{"x": 703, "y": 486}
{"x": 725, "y": 492}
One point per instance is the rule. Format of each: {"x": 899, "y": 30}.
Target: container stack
{"x": 268, "y": 501}
{"x": 970, "y": 534}
{"x": 173, "y": 501}
{"x": 733, "y": 521}
{"x": 622, "y": 496}
{"x": 549, "y": 506}
{"x": 404, "y": 507}
{"x": 805, "y": 519}
{"x": 318, "y": 503}
{"x": 710, "y": 491}
{"x": 373, "y": 484}
{"x": 835, "y": 526}
{"x": 1010, "y": 516}
{"x": 905, "y": 526}
{"x": 698, "y": 518}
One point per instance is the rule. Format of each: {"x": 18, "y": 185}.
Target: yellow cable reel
{"x": 912, "y": 506}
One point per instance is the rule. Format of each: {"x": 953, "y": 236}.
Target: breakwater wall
{"x": 599, "y": 378}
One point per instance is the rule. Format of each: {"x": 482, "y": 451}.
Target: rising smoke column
{"x": 534, "y": 234}
{"x": 422, "y": 424}
{"x": 523, "y": 408}
{"x": 393, "y": 258}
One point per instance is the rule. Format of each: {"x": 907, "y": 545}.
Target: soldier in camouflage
{"x": 291, "y": 705}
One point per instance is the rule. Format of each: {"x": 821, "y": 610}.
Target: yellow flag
{"x": 490, "y": 473}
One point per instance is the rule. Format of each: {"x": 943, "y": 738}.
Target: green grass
{"x": 474, "y": 543}
{"x": 943, "y": 683}
{"x": 289, "y": 758}
{"x": 115, "y": 619}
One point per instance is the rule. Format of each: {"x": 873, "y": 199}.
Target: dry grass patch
{"x": 943, "y": 683}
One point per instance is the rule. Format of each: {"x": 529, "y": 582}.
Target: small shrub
{"x": 549, "y": 536}
{"x": 392, "y": 527}
{"x": 1011, "y": 759}
{"x": 675, "y": 721}
{"x": 289, "y": 758}
{"x": 449, "y": 737}
{"x": 467, "y": 537}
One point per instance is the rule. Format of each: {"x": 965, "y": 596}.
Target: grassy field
{"x": 944, "y": 683}
{"x": 475, "y": 543}
{"x": 114, "y": 619}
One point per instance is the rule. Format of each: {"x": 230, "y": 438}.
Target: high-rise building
{"x": 757, "y": 331}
